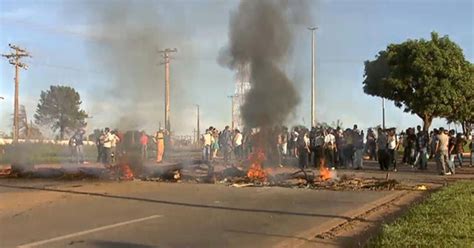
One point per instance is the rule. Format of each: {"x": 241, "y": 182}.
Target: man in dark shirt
{"x": 422, "y": 142}
{"x": 459, "y": 148}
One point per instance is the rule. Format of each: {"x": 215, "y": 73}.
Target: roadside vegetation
{"x": 26, "y": 154}
{"x": 445, "y": 219}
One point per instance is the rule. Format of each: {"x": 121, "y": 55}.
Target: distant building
{"x": 242, "y": 86}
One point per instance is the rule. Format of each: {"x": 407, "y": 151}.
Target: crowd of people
{"x": 315, "y": 147}
{"x": 109, "y": 145}
{"x": 346, "y": 148}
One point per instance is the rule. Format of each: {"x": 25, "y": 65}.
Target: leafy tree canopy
{"x": 429, "y": 78}
{"x": 59, "y": 107}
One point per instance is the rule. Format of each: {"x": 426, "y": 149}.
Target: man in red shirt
{"x": 144, "y": 144}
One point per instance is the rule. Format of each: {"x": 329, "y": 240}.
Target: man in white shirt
{"x": 108, "y": 138}
{"x": 392, "y": 145}
{"x": 113, "y": 145}
{"x": 330, "y": 147}
{"x": 442, "y": 152}
{"x": 207, "y": 140}
{"x": 238, "y": 144}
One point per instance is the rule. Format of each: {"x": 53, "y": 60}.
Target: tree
{"x": 463, "y": 110}
{"x": 59, "y": 107}
{"x": 429, "y": 78}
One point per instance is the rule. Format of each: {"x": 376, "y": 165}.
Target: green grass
{"x": 445, "y": 219}
{"x": 29, "y": 154}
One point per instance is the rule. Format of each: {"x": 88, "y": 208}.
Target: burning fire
{"x": 256, "y": 171}
{"x": 127, "y": 173}
{"x": 324, "y": 173}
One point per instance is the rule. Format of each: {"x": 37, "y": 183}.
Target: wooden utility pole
{"x": 166, "y": 61}
{"x": 14, "y": 59}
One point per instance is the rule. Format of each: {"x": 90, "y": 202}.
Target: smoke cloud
{"x": 128, "y": 36}
{"x": 261, "y": 36}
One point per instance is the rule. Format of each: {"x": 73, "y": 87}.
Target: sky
{"x": 67, "y": 47}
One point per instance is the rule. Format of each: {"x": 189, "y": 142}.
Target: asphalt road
{"x": 149, "y": 214}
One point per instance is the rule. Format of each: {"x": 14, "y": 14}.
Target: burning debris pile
{"x": 256, "y": 171}
{"x": 310, "y": 181}
{"x": 354, "y": 183}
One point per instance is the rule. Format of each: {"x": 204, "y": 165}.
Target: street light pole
{"x": 313, "y": 86}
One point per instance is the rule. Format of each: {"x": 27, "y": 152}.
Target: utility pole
{"x": 383, "y": 113}
{"x": 313, "y": 86}
{"x": 166, "y": 61}
{"x": 14, "y": 59}
{"x": 198, "y": 132}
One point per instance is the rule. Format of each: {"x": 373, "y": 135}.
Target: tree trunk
{"x": 427, "y": 122}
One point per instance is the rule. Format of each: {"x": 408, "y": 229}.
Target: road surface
{"x": 39, "y": 213}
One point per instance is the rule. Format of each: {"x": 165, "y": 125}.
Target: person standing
{"x": 237, "y": 142}
{"x": 348, "y": 148}
{"x": 107, "y": 147}
{"x": 79, "y": 140}
{"x": 359, "y": 150}
{"x": 225, "y": 140}
{"x": 318, "y": 148}
{"x": 113, "y": 146}
{"x": 330, "y": 148}
{"x": 422, "y": 143}
{"x": 459, "y": 148}
{"x": 411, "y": 145}
{"x": 382, "y": 153}
{"x": 293, "y": 142}
{"x": 340, "y": 143}
{"x": 371, "y": 146}
{"x": 442, "y": 152}
{"x": 215, "y": 143}
{"x": 451, "y": 149}
{"x": 392, "y": 145}
{"x": 72, "y": 148}
{"x": 206, "y": 140}
{"x": 302, "y": 144}
{"x": 99, "y": 142}
{"x": 160, "y": 145}
{"x": 144, "y": 145}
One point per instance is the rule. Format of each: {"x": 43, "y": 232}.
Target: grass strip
{"x": 445, "y": 219}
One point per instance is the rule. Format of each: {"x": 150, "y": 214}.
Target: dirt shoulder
{"x": 355, "y": 233}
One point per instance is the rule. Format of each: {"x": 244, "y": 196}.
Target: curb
{"x": 333, "y": 223}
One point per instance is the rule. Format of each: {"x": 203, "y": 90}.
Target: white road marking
{"x": 38, "y": 243}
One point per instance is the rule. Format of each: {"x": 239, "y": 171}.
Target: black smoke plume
{"x": 261, "y": 36}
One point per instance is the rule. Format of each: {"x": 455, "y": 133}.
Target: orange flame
{"x": 256, "y": 171}
{"x": 127, "y": 172}
{"x": 324, "y": 173}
